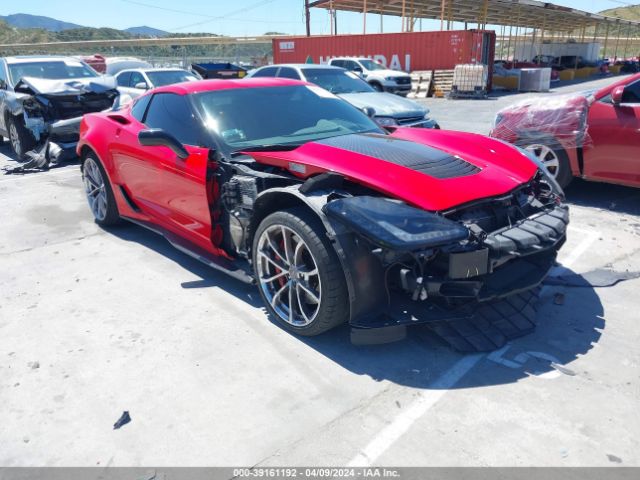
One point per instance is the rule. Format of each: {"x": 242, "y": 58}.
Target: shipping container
{"x": 441, "y": 50}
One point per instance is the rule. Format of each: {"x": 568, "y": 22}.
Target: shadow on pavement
{"x": 565, "y": 332}
{"x": 605, "y": 196}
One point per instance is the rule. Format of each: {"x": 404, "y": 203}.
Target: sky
{"x": 226, "y": 17}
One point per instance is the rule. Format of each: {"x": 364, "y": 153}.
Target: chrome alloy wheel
{"x": 95, "y": 188}
{"x": 547, "y": 156}
{"x": 14, "y": 138}
{"x": 288, "y": 275}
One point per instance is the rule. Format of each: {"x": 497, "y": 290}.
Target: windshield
{"x": 371, "y": 65}
{"x": 260, "y": 117}
{"x": 169, "y": 77}
{"x": 54, "y": 70}
{"x": 336, "y": 81}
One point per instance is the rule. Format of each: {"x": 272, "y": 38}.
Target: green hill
{"x": 632, "y": 12}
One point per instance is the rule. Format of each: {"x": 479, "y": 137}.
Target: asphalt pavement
{"x": 96, "y": 322}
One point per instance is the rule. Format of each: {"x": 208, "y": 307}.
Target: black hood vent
{"x": 421, "y": 158}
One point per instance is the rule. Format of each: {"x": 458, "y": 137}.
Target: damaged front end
{"x": 470, "y": 273}
{"x": 52, "y": 111}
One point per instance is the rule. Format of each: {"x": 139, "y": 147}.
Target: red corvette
{"x": 280, "y": 183}
{"x": 593, "y": 135}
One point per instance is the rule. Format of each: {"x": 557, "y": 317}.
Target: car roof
{"x": 303, "y": 66}
{"x": 609, "y": 88}
{"x": 146, "y": 70}
{"x": 39, "y": 58}
{"x": 187, "y": 88}
{"x": 351, "y": 58}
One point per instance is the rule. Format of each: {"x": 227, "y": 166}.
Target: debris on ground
{"x": 562, "y": 369}
{"x": 613, "y": 458}
{"x": 33, "y": 365}
{"x": 123, "y": 420}
{"x": 558, "y": 299}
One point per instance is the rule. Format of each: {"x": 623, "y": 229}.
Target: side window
{"x": 287, "y": 72}
{"x": 139, "y": 107}
{"x": 173, "y": 114}
{"x": 351, "y": 65}
{"x": 631, "y": 93}
{"x": 3, "y": 75}
{"x": 123, "y": 79}
{"x": 338, "y": 63}
{"x": 266, "y": 72}
{"x": 136, "y": 78}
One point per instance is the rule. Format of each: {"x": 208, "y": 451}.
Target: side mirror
{"x": 155, "y": 137}
{"x": 369, "y": 111}
{"x": 141, "y": 86}
{"x": 616, "y": 95}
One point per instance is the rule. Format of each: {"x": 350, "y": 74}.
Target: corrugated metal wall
{"x": 403, "y": 51}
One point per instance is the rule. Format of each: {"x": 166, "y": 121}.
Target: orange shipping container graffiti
{"x": 400, "y": 51}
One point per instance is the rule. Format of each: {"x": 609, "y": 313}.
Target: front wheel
{"x": 20, "y": 138}
{"x": 377, "y": 87}
{"x": 298, "y": 272}
{"x": 555, "y": 159}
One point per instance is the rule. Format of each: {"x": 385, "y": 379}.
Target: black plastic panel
{"x": 393, "y": 224}
{"x": 421, "y": 158}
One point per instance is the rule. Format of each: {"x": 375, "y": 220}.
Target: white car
{"x": 378, "y": 76}
{"x": 134, "y": 82}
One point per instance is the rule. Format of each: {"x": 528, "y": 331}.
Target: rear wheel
{"x": 99, "y": 193}
{"x": 298, "y": 273}
{"x": 553, "y": 157}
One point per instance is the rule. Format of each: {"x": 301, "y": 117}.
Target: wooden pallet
{"x": 421, "y": 84}
{"x": 442, "y": 82}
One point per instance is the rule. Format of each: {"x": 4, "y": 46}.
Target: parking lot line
{"x": 427, "y": 399}
{"x": 590, "y": 236}
{"x": 438, "y": 389}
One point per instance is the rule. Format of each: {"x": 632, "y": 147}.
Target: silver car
{"x": 134, "y": 82}
{"x": 387, "y": 109}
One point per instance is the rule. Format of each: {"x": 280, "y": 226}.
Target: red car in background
{"x": 592, "y": 135}
{"x": 281, "y": 183}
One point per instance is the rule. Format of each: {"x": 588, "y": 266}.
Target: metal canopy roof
{"x": 523, "y": 13}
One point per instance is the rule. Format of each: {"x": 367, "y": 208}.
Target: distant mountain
{"x": 632, "y": 12}
{"x": 23, "y": 20}
{"x": 146, "y": 31}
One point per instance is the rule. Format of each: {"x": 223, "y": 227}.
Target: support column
{"x": 364, "y": 17}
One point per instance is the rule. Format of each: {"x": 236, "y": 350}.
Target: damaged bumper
{"x": 474, "y": 293}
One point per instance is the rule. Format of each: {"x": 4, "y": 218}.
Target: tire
{"x": 552, "y": 154}
{"x": 296, "y": 283}
{"x": 20, "y": 138}
{"x": 377, "y": 87}
{"x": 99, "y": 192}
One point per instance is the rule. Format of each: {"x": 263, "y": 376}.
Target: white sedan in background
{"x": 134, "y": 82}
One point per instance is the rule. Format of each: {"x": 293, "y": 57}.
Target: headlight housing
{"x": 390, "y": 79}
{"x": 386, "y": 121}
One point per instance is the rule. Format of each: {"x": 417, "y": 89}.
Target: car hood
{"x": 433, "y": 169}
{"x": 388, "y": 73}
{"x": 73, "y": 86}
{"x": 385, "y": 104}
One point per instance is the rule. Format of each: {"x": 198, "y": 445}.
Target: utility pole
{"x": 307, "y": 17}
